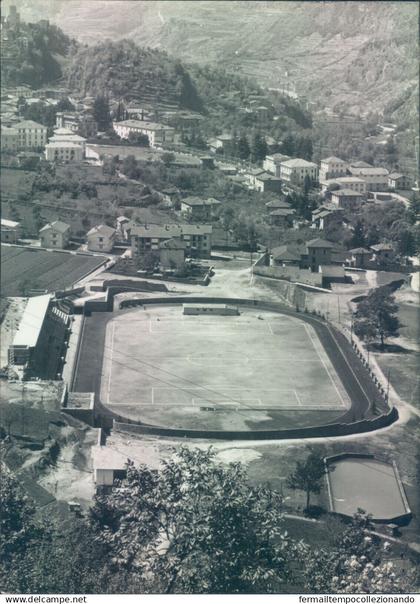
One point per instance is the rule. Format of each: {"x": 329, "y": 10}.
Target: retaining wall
{"x": 329, "y": 430}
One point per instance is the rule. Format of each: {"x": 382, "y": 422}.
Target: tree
{"x": 358, "y": 238}
{"x": 167, "y": 158}
{"x": 307, "y": 475}
{"x": 289, "y": 145}
{"x": 356, "y": 563}
{"x": 242, "y": 148}
{"x": 148, "y": 261}
{"x": 195, "y": 526}
{"x": 258, "y": 147}
{"x": 19, "y": 529}
{"x": 101, "y": 113}
{"x": 376, "y": 315}
{"x": 138, "y": 138}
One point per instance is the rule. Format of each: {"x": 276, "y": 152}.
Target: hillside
{"x": 357, "y": 57}
{"x": 33, "y": 54}
{"x": 127, "y": 71}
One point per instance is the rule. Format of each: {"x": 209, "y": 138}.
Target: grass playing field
{"x": 159, "y": 362}
{"x": 23, "y": 269}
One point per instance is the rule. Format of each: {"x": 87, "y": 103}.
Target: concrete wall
{"x": 329, "y": 430}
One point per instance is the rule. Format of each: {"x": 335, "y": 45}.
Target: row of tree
{"x": 193, "y": 526}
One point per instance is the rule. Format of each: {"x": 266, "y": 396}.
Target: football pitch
{"x": 159, "y": 359}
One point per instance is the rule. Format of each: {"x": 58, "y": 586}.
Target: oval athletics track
{"x": 359, "y": 385}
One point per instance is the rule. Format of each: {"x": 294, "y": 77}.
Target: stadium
{"x": 224, "y": 368}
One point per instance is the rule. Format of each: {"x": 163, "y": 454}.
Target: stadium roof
{"x": 32, "y": 321}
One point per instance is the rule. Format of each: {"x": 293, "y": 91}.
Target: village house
{"x": 146, "y": 238}
{"x": 383, "y": 253}
{"x": 9, "y": 139}
{"x": 221, "y": 144}
{"x": 251, "y": 177}
{"x": 31, "y": 135}
{"x": 172, "y": 254}
{"x": 376, "y": 179}
{"x": 358, "y": 257}
{"x": 291, "y": 254}
{"x": 282, "y": 217}
{"x": 101, "y": 238}
{"x": 397, "y": 181}
{"x": 346, "y": 182}
{"x": 201, "y": 209}
{"x": 319, "y": 253}
{"x": 294, "y": 171}
{"x": 68, "y": 136}
{"x": 326, "y": 216}
{"x": 64, "y": 151}
{"x": 158, "y": 134}
{"x": 346, "y": 199}
{"x": 55, "y": 235}
{"x": 272, "y": 163}
{"x": 278, "y": 204}
{"x": 265, "y": 183}
{"x": 11, "y": 231}
{"x": 71, "y": 120}
{"x": 332, "y": 167}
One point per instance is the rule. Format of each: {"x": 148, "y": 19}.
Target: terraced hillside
{"x": 356, "y": 56}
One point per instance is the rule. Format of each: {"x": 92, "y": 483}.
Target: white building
{"x": 31, "y": 134}
{"x": 9, "y": 139}
{"x": 55, "y": 235}
{"x": 332, "y": 167}
{"x": 65, "y": 135}
{"x": 376, "y": 179}
{"x": 11, "y": 231}
{"x": 272, "y": 163}
{"x": 295, "y": 171}
{"x": 158, "y": 134}
{"x": 64, "y": 151}
{"x": 101, "y": 238}
{"x": 346, "y": 182}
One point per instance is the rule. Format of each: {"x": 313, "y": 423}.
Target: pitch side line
{"x": 348, "y": 364}
{"x": 325, "y": 366}
{"x": 110, "y": 364}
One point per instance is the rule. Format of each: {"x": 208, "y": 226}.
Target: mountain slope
{"x": 357, "y": 56}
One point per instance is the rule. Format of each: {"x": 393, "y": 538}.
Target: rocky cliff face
{"x": 354, "y": 56}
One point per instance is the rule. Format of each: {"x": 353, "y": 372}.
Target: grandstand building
{"x": 37, "y": 347}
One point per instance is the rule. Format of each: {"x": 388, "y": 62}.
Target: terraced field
{"x": 25, "y": 269}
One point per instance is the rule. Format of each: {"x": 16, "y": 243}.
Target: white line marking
{"x": 297, "y": 398}
{"x": 110, "y": 365}
{"x": 325, "y": 366}
{"x": 153, "y": 396}
{"x": 348, "y": 364}
{"x": 270, "y": 328}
